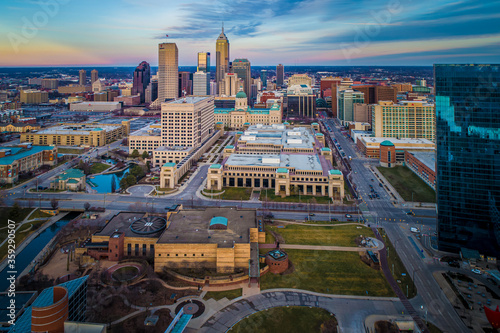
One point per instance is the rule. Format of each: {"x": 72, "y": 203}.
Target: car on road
{"x": 25, "y": 186}
{"x": 372, "y": 180}
{"x": 348, "y": 215}
{"x": 414, "y": 230}
{"x": 454, "y": 264}
{"x": 380, "y": 184}
{"x": 410, "y": 213}
{"x": 476, "y": 271}
{"x": 312, "y": 214}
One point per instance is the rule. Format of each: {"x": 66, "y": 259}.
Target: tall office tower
{"x": 241, "y": 67}
{"x": 168, "y": 72}
{"x": 346, "y": 100}
{"x": 229, "y": 85}
{"x": 263, "y": 78}
{"x": 94, "y": 75}
{"x": 421, "y": 82}
{"x": 468, "y": 157}
{"x": 82, "y": 77}
{"x": 280, "y": 75}
{"x": 142, "y": 77}
{"x": 151, "y": 91}
{"x": 185, "y": 84}
{"x": 195, "y": 115}
{"x": 222, "y": 59}
{"x": 201, "y": 84}
{"x": 204, "y": 62}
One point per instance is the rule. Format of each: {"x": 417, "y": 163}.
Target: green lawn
{"x": 232, "y": 193}
{"x": 330, "y": 272}
{"x": 343, "y": 235}
{"x": 294, "y": 319}
{"x": 406, "y": 183}
{"x": 5, "y": 211}
{"x": 98, "y": 167}
{"x": 38, "y": 214}
{"x": 21, "y": 236}
{"x": 70, "y": 151}
{"x": 293, "y": 198}
{"x": 399, "y": 268}
{"x": 229, "y": 294}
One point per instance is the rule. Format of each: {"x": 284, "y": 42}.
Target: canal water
{"x": 26, "y": 256}
{"x": 104, "y": 182}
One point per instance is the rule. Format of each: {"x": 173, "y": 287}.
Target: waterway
{"x": 104, "y": 182}
{"x": 26, "y": 256}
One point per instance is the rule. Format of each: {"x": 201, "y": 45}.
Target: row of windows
{"x": 185, "y": 255}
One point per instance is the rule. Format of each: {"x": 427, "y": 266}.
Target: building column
{"x": 314, "y": 189}
{"x": 323, "y": 190}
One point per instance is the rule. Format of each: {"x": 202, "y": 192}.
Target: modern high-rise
{"x": 229, "y": 85}
{"x": 280, "y": 75}
{"x": 241, "y": 67}
{"x": 187, "y": 121}
{"x": 222, "y": 59}
{"x": 142, "y": 78}
{"x": 263, "y": 78}
{"x": 94, "y": 75}
{"x": 407, "y": 119}
{"x": 168, "y": 71}
{"x": 201, "y": 84}
{"x": 374, "y": 94}
{"x": 82, "y": 77}
{"x": 468, "y": 157}
{"x": 345, "y": 104}
{"x": 185, "y": 83}
{"x": 204, "y": 62}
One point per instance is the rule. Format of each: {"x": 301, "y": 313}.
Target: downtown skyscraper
{"x": 203, "y": 62}
{"x": 241, "y": 67}
{"x": 168, "y": 72}
{"x": 468, "y": 157}
{"x": 142, "y": 78}
{"x": 222, "y": 60}
{"x": 280, "y": 75}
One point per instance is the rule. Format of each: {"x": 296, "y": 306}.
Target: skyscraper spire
{"x": 222, "y": 26}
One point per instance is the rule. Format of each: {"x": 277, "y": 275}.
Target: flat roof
{"x": 397, "y": 141}
{"x": 121, "y": 223}
{"x": 192, "y": 227}
{"x": 187, "y": 99}
{"x": 427, "y": 158}
{"x": 83, "y": 129}
{"x": 18, "y": 153}
{"x": 175, "y": 148}
{"x": 298, "y": 137}
{"x": 299, "y": 161}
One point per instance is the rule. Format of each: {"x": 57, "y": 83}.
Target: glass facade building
{"x": 468, "y": 157}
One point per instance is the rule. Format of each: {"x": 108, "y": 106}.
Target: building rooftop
{"x": 169, "y": 164}
{"x": 215, "y": 166}
{"x": 188, "y": 100}
{"x": 121, "y": 222}
{"x": 302, "y": 161}
{"x": 18, "y": 153}
{"x": 396, "y": 141}
{"x": 427, "y": 158}
{"x": 299, "y": 137}
{"x": 83, "y": 129}
{"x": 192, "y": 227}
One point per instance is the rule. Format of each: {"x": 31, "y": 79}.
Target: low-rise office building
{"x": 24, "y": 158}
{"x": 34, "y": 96}
{"x": 95, "y": 106}
{"x": 18, "y": 127}
{"x": 69, "y": 180}
{"x": 370, "y": 146}
{"x": 145, "y": 139}
{"x": 242, "y": 114}
{"x": 86, "y": 134}
{"x": 423, "y": 164}
{"x": 289, "y": 161}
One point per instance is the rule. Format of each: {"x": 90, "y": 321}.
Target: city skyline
{"x": 330, "y": 33}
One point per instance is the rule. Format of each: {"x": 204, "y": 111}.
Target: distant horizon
{"x": 121, "y": 66}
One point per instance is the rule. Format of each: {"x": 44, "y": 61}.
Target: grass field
{"x": 408, "y": 183}
{"x": 38, "y": 214}
{"x": 329, "y": 272}
{"x": 293, "y": 198}
{"x": 229, "y": 294}
{"x": 342, "y": 235}
{"x": 98, "y": 167}
{"x": 294, "y": 319}
{"x": 70, "y": 151}
{"x": 5, "y": 212}
{"x": 399, "y": 268}
{"x": 21, "y": 236}
{"x": 232, "y": 193}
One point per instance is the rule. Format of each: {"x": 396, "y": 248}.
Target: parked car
{"x": 410, "y": 213}
{"x": 312, "y": 214}
{"x": 348, "y": 215}
{"x": 476, "y": 271}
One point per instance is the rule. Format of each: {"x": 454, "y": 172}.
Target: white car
{"x": 477, "y": 271}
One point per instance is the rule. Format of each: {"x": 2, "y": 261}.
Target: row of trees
{"x": 135, "y": 154}
{"x": 134, "y": 175}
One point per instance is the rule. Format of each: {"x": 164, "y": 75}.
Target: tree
{"x": 125, "y": 142}
{"x": 137, "y": 171}
{"x": 145, "y": 155}
{"x": 135, "y": 154}
{"x": 86, "y": 206}
{"x": 54, "y": 203}
{"x": 127, "y": 181}
{"x": 15, "y": 212}
{"x": 148, "y": 165}
{"x": 85, "y": 167}
{"x": 113, "y": 185}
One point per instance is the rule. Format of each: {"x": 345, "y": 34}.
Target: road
{"x": 380, "y": 211}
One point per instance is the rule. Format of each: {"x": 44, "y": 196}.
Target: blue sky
{"x": 267, "y": 32}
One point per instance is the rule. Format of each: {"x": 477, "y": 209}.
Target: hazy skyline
{"x": 267, "y": 32}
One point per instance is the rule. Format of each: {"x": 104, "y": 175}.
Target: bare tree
{"x": 86, "y": 206}
{"x": 54, "y": 203}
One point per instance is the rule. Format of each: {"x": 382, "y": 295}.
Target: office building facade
{"x": 468, "y": 157}
{"x": 168, "y": 72}
{"x": 82, "y": 77}
{"x": 201, "y": 83}
{"x": 222, "y": 59}
{"x": 203, "y": 62}
{"x": 142, "y": 78}
{"x": 242, "y": 68}
{"x": 345, "y": 104}
{"x": 280, "y": 75}
{"x": 94, "y": 76}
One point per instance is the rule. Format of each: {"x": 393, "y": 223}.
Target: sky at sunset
{"x": 267, "y": 32}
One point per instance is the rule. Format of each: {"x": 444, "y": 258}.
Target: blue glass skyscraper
{"x": 468, "y": 157}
